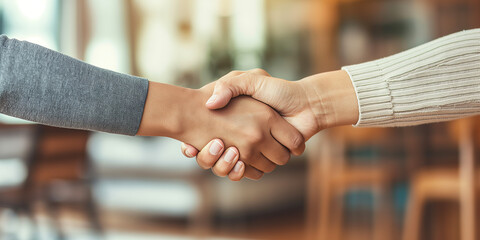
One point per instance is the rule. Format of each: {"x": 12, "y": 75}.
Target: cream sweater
{"x": 437, "y": 81}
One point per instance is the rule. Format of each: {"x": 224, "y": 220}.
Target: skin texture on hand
{"x": 311, "y": 104}
{"x": 260, "y": 134}
{"x": 288, "y": 98}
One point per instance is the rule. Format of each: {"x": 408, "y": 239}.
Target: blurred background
{"x": 397, "y": 183}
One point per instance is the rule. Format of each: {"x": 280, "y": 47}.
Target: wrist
{"x": 164, "y": 111}
{"x": 332, "y": 99}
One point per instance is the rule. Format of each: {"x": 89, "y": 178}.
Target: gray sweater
{"x": 48, "y": 87}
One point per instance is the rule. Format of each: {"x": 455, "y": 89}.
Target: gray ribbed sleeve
{"x": 437, "y": 81}
{"x": 48, "y": 87}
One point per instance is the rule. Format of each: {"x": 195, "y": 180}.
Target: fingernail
{"x": 215, "y": 148}
{"x": 188, "y": 153}
{"x": 212, "y": 99}
{"x": 237, "y": 167}
{"x": 230, "y": 155}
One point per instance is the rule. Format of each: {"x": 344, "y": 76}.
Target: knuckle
{"x": 284, "y": 159}
{"x": 257, "y": 176}
{"x": 249, "y": 75}
{"x": 270, "y": 168}
{"x": 234, "y": 177}
{"x": 270, "y": 114}
{"x": 297, "y": 141}
{"x": 255, "y": 136}
{"x": 204, "y": 167}
{"x": 235, "y": 72}
{"x": 246, "y": 155}
{"x": 260, "y": 71}
{"x": 204, "y": 163}
{"x": 221, "y": 172}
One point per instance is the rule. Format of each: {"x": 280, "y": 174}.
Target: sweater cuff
{"x": 373, "y": 94}
{"x": 436, "y": 81}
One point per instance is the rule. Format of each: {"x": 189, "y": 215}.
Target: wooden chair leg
{"x": 324, "y": 212}
{"x": 413, "y": 217}
{"x": 326, "y": 192}
{"x": 312, "y": 210}
{"x": 467, "y": 182}
{"x": 383, "y": 216}
{"x": 336, "y": 227}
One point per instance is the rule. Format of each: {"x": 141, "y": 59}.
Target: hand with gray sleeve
{"x": 47, "y": 87}
{"x": 437, "y": 81}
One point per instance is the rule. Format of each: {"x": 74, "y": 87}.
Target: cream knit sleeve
{"x": 437, "y": 81}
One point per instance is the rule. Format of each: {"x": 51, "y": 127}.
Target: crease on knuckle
{"x": 297, "y": 141}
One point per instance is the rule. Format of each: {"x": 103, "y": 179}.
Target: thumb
{"x": 222, "y": 94}
{"x": 226, "y": 89}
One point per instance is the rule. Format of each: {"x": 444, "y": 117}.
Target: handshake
{"x": 248, "y": 122}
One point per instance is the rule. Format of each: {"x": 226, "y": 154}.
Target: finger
{"x": 237, "y": 173}
{"x": 276, "y": 152}
{"x": 252, "y": 173}
{"x": 288, "y": 136}
{"x": 210, "y": 154}
{"x": 226, "y": 162}
{"x": 230, "y": 87}
{"x": 189, "y": 150}
{"x": 261, "y": 163}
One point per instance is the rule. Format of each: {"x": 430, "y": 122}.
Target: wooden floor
{"x": 126, "y": 226}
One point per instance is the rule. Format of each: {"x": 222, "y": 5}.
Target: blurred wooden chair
{"x": 63, "y": 174}
{"x": 331, "y": 177}
{"x": 448, "y": 183}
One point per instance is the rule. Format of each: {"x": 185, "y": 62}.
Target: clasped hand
{"x": 288, "y": 98}
{"x": 309, "y": 105}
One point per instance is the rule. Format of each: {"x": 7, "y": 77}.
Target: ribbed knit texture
{"x": 437, "y": 81}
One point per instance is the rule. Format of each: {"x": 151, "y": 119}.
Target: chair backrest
{"x": 472, "y": 123}
{"x": 360, "y": 145}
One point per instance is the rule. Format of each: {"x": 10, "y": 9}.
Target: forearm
{"x": 437, "y": 81}
{"x": 47, "y": 87}
{"x": 332, "y": 99}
